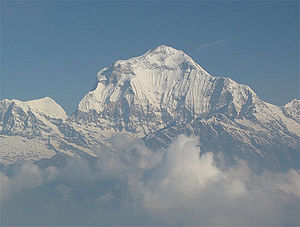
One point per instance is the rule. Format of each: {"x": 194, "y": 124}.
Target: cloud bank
{"x": 137, "y": 186}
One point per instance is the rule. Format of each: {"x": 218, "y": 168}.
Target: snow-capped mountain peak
{"x": 146, "y": 93}
{"x": 163, "y": 57}
{"x": 46, "y": 106}
{"x": 169, "y": 57}
{"x": 163, "y": 52}
{"x": 292, "y": 109}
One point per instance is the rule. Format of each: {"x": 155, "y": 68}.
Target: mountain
{"x": 33, "y": 130}
{"x": 147, "y": 93}
{"x": 158, "y": 96}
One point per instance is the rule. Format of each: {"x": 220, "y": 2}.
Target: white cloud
{"x": 63, "y": 191}
{"x": 28, "y": 176}
{"x": 106, "y": 198}
{"x": 179, "y": 186}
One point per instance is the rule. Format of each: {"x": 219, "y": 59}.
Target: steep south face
{"x": 147, "y": 93}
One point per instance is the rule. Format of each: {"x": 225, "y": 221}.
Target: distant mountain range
{"x": 155, "y": 97}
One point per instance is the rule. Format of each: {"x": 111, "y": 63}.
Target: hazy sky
{"x": 55, "y": 48}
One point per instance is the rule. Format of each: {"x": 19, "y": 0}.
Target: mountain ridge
{"x": 156, "y": 97}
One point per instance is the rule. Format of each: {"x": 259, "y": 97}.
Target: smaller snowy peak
{"x": 46, "y": 106}
{"x": 295, "y": 104}
{"x": 49, "y": 107}
{"x": 292, "y": 109}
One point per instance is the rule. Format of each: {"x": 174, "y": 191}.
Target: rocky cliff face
{"x": 156, "y": 97}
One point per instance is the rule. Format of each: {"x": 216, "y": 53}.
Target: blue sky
{"x": 55, "y": 48}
